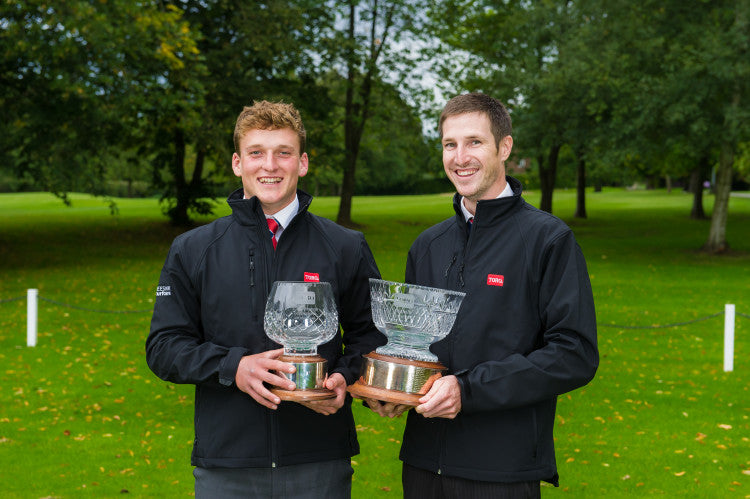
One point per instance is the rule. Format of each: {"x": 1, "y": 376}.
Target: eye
{"x": 449, "y": 145}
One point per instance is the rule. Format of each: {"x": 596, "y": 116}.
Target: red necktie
{"x": 273, "y": 226}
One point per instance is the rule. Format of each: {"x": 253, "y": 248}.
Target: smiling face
{"x": 270, "y": 164}
{"x": 471, "y": 158}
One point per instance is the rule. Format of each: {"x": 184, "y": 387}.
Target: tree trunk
{"x": 200, "y": 159}
{"x": 717, "y": 238}
{"x": 547, "y": 176}
{"x": 348, "y": 183}
{"x": 178, "y": 214}
{"x": 580, "y": 188}
{"x": 717, "y": 241}
{"x": 696, "y": 187}
{"x": 357, "y": 113}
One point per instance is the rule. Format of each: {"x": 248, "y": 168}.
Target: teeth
{"x": 465, "y": 173}
{"x": 269, "y": 180}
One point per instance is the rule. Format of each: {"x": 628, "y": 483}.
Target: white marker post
{"x": 31, "y": 315}
{"x": 728, "y": 337}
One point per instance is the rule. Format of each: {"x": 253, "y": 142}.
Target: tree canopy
{"x": 645, "y": 89}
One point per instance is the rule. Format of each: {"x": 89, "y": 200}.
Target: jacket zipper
{"x": 441, "y": 458}
{"x": 252, "y": 284}
{"x": 264, "y": 279}
{"x": 463, "y": 261}
{"x": 448, "y": 268}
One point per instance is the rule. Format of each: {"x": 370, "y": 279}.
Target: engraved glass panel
{"x": 412, "y": 317}
{"x": 301, "y": 315}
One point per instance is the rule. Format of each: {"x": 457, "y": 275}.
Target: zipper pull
{"x": 448, "y": 268}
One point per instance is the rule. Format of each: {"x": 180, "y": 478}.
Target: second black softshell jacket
{"x": 525, "y": 333}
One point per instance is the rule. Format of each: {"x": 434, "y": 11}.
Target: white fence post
{"x": 31, "y": 316}
{"x": 728, "y": 337}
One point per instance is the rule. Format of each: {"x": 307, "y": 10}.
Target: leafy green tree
{"x": 250, "y": 51}
{"x": 366, "y": 46}
{"x": 394, "y": 154}
{"x": 519, "y": 52}
{"x": 76, "y": 78}
{"x": 683, "y": 73}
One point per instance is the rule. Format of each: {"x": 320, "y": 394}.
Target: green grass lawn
{"x": 81, "y": 414}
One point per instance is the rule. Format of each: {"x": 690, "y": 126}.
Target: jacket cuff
{"x": 463, "y": 383}
{"x": 228, "y": 365}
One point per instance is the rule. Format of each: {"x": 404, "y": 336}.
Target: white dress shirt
{"x": 285, "y": 215}
{"x": 507, "y": 192}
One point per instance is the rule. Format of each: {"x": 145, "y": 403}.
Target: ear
{"x": 506, "y": 145}
{"x": 303, "y": 164}
{"x": 236, "y": 168}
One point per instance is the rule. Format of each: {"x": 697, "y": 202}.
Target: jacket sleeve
{"x": 175, "y": 348}
{"x": 360, "y": 334}
{"x": 566, "y": 357}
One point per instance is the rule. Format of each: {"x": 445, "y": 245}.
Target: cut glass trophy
{"x": 300, "y": 316}
{"x": 412, "y": 317}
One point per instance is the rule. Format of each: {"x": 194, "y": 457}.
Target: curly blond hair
{"x": 265, "y": 115}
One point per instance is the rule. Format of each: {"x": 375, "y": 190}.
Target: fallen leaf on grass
{"x": 725, "y": 426}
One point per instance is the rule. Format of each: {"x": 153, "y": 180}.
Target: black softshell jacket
{"x": 209, "y": 313}
{"x": 525, "y": 333}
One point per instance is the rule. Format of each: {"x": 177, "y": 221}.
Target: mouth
{"x": 269, "y": 180}
{"x": 466, "y": 172}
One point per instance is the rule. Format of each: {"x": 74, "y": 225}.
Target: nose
{"x": 462, "y": 156}
{"x": 269, "y": 161}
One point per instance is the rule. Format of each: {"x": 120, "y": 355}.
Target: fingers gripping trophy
{"x": 412, "y": 317}
{"x": 300, "y": 316}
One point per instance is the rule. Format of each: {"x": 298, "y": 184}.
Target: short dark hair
{"x": 476, "y": 102}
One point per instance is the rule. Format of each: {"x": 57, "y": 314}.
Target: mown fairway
{"x": 82, "y": 416}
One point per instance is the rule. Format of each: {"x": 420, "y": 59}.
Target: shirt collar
{"x": 286, "y": 214}
{"x": 507, "y": 192}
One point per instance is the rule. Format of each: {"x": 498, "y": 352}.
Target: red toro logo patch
{"x": 495, "y": 280}
{"x": 310, "y": 277}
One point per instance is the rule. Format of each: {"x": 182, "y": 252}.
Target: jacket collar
{"x": 249, "y": 211}
{"x": 490, "y": 211}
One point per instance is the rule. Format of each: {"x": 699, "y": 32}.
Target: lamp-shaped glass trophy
{"x": 412, "y": 317}
{"x": 300, "y": 316}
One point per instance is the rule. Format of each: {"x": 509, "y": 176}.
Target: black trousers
{"x": 423, "y": 484}
{"x": 324, "y": 480}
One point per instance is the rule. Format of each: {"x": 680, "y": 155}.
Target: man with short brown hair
{"x": 525, "y": 332}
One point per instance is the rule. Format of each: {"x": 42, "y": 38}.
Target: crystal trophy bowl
{"x": 300, "y": 316}
{"x": 412, "y": 317}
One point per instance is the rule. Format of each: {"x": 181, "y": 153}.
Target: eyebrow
{"x": 262, "y": 146}
{"x": 469, "y": 137}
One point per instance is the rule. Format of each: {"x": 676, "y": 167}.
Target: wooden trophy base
{"x": 303, "y": 395}
{"x": 394, "y": 379}
{"x": 310, "y": 375}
